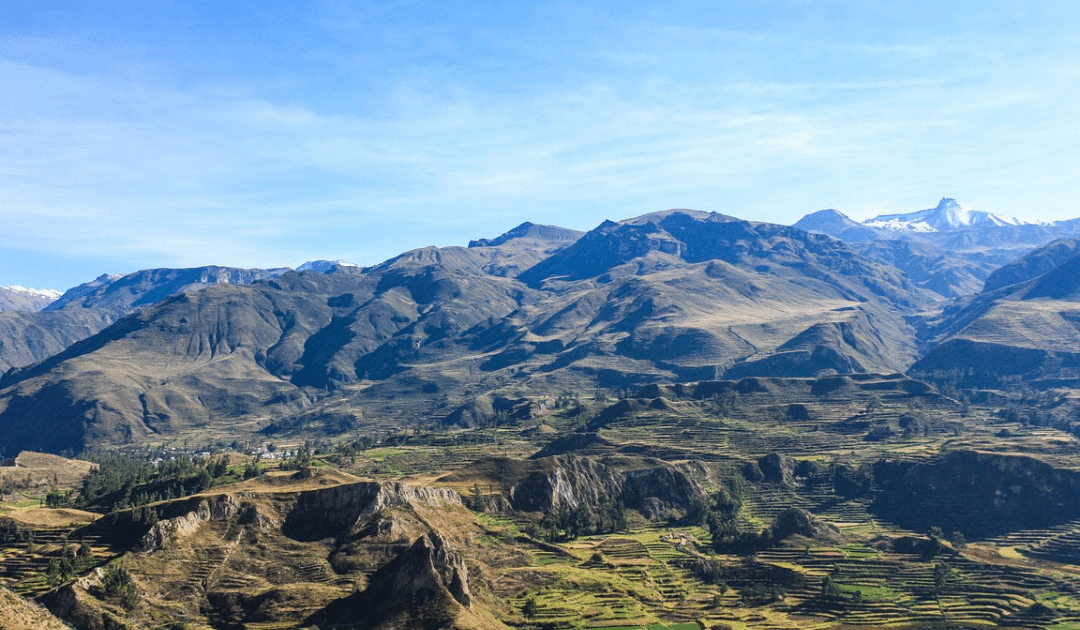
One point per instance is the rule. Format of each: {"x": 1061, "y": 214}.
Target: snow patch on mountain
{"x": 51, "y": 294}
{"x": 324, "y": 266}
{"x": 948, "y": 215}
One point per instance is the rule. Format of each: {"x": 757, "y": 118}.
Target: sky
{"x": 150, "y": 134}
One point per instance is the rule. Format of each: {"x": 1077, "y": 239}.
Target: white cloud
{"x": 629, "y": 117}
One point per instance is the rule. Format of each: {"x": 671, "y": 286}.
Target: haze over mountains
{"x": 444, "y": 334}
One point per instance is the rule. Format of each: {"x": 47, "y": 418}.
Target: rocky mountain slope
{"x": 978, "y": 236}
{"x": 669, "y": 296}
{"x": 1024, "y": 323}
{"x": 19, "y": 614}
{"x": 27, "y": 337}
{"x": 119, "y": 295}
{"x": 929, "y": 266}
{"x": 23, "y": 299}
{"x": 313, "y": 548}
{"x": 678, "y": 420}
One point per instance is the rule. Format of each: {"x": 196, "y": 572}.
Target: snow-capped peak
{"x": 949, "y": 214}
{"x": 51, "y": 294}
{"x": 324, "y": 266}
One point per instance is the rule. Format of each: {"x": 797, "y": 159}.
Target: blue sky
{"x": 263, "y": 134}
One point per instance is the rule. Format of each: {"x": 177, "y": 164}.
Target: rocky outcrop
{"x": 74, "y": 604}
{"x": 975, "y": 493}
{"x": 771, "y": 468}
{"x": 337, "y": 510}
{"x": 425, "y": 570}
{"x": 655, "y": 491}
{"x": 17, "y": 613}
{"x": 797, "y": 522}
{"x": 572, "y": 442}
{"x": 161, "y": 533}
{"x": 567, "y": 481}
{"x": 427, "y": 586}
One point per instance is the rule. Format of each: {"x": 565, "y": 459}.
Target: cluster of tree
{"x": 118, "y": 584}
{"x": 567, "y": 524}
{"x": 252, "y": 469}
{"x": 852, "y": 481}
{"x": 935, "y": 542}
{"x": 724, "y": 404}
{"x": 58, "y": 498}
{"x": 830, "y": 590}
{"x": 12, "y": 534}
{"x": 710, "y": 571}
{"x": 349, "y": 449}
{"x": 302, "y": 458}
{"x": 759, "y": 594}
{"x": 476, "y": 501}
{"x": 145, "y": 514}
{"x": 721, "y": 515}
{"x": 122, "y": 481}
{"x": 72, "y": 561}
{"x": 9, "y": 483}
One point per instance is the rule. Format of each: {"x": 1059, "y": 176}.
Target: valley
{"x": 681, "y": 420}
{"x": 857, "y": 495}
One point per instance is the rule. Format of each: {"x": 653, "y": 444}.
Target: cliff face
{"x": 338, "y": 510}
{"x": 376, "y": 554}
{"x": 427, "y": 586}
{"x": 567, "y": 481}
{"x": 976, "y": 493}
{"x": 161, "y": 533}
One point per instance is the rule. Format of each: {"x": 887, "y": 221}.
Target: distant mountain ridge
{"x": 438, "y": 334}
{"x": 982, "y": 238}
{"x": 19, "y": 298}
{"x": 27, "y": 336}
{"x": 1024, "y": 323}
{"x": 948, "y": 215}
{"x": 122, "y": 293}
{"x": 667, "y": 296}
{"x": 527, "y": 230}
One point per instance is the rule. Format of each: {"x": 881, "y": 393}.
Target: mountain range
{"x": 17, "y": 298}
{"x": 448, "y": 335}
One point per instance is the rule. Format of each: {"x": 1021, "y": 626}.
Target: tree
{"x": 84, "y": 558}
{"x": 829, "y": 589}
{"x": 118, "y": 582}
{"x": 934, "y": 541}
{"x": 52, "y": 574}
{"x": 698, "y": 512}
{"x": 581, "y": 521}
{"x": 722, "y": 530}
{"x": 220, "y": 467}
{"x": 529, "y": 608}
{"x": 477, "y": 500}
{"x": 252, "y": 469}
{"x": 716, "y": 572}
{"x": 942, "y": 573}
{"x": 205, "y": 480}
{"x": 873, "y": 406}
{"x": 612, "y": 517}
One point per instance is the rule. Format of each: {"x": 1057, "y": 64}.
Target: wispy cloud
{"x": 400, "y": 125}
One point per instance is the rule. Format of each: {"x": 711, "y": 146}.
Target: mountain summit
{"x": 18, "y": 298}
{"x": 669, "y": 296}
{"x": 969, "y": 243}
{"x": 948, "y": 215}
